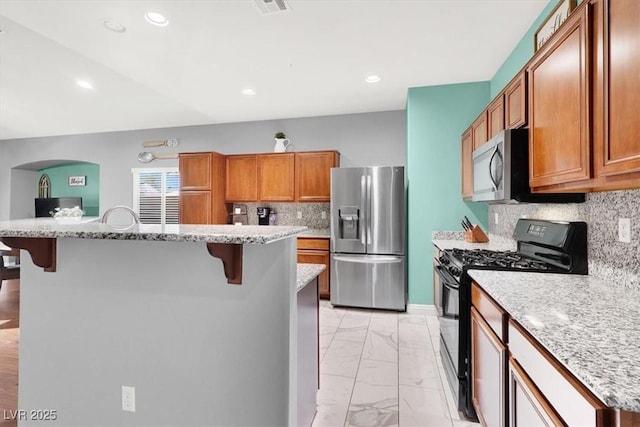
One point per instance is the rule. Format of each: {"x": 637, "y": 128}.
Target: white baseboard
{"x": 427, "y": 309}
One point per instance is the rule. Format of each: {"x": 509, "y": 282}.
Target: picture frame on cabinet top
{"x": 558, "y": 15}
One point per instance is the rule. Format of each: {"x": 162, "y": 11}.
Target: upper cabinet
{"x": 583, "y": 90}
{"x": 202, "y": 177}
{"x": 480, "y": 130}
{"x": 313, "y": 175}
{"x": 276, "y": 177}
{"x": 617, "y": 90}
{"x": 495, "y": 116}
{"x": 281, "y": 177}
{"x": 195, "y": 171}
{"x": 515, "y": 102}
{"x": 242, "y": 178}
{"x": 558, "y": 101}
{"x": 467, "y": 164}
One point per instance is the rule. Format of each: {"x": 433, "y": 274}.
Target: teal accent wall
{"x": 436, "y": 118}
{"x": 521, "y": 54}
{"x": 90, "y": 193}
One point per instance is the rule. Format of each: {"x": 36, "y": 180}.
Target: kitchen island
{"x": 203, "y": 342}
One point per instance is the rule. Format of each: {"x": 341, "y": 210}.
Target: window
{"x": 156, "y": 195}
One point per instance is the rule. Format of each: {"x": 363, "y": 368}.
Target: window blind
{"x": 156, "y": 195}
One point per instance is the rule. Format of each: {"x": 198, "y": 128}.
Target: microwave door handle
{"x": 493, "y": 180}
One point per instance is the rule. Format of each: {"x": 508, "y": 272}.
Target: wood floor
{"x": 9, "y": 336}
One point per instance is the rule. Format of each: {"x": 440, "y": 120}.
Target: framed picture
{"x": 77, "y": 181}
{"x": 558, "y": 15}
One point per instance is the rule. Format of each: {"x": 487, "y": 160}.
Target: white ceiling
{"x": 309, "y": 61}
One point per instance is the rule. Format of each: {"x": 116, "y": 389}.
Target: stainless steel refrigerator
{"x": 368, "y": 237}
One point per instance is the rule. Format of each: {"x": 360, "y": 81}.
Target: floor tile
{"x": 342, "y": 358}
{"x": 381, "y": 345}
{"x": 375, "y": 372}
{"x": 422, "y": 407}
{"x": 333, "y": 400}
{"x": 418, "y": 368}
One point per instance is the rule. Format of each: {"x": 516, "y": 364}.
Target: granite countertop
{"x": 590, "y": 325}
{"x": 316, "y": 232}
{"x": 306, "y": 273}
{"x": 239, "y": 234}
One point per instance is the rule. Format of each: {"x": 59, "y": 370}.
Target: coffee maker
{"x": 263, "y": 215}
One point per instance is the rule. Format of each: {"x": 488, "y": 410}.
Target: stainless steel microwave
{"x": 501, "y": 172}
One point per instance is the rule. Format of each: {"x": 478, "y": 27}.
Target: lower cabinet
{"x": 316, "y": 251}
{"x": 527, "y": 407}
{"x": 488, "y": 356}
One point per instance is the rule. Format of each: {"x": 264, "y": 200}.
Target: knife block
{"x": 475, "y": 235}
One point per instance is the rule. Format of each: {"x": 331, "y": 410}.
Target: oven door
{"x": 450, "y": 320}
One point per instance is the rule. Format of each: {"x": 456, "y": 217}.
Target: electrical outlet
{"x": 495, "y": 218}
{"x": 323, "y": 214}
{"x": 624, "y": 230}
{"x": 299, "y": 214}
{"x": 128, "y": 398}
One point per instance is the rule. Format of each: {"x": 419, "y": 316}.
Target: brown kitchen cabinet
{"x": 583, "y": 91}
{"x": 202, "y": 177}
{"x": 616, "y": 141}
{"x": 488, "y": 359}
{"x": 515, "y": 102}
{"x": 480, "y": 130}
{"x": 242, "y": 178}
{"x": 276, "y": 178}
{"x": 527, "y": 405}
{"x": 467, "y": 164}
{"x": 559, "y": 120}
{"x": 313, "y": 175}
{"x": 314, "y": 250}
{"x": 195, "y": 207}
{"x": 495, "y": 116}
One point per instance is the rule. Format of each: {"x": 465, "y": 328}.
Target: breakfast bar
{"x": 199, "y": 321}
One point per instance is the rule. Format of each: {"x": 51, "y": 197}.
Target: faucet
{"x": 105, "y": 216}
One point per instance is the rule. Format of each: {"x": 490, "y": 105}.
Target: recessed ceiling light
{"x": 114, "y": 26}
{"x": 248, "y": 91}
{"x": 84, "y": 84}
{"x": 156, "y": 19}
{"x": 372, "y": 78}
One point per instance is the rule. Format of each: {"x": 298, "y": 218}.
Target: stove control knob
{"x": 456, "y": 271}
{"x": 443, "y": 260}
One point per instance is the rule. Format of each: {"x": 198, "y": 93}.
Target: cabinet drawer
{"x": 313, "y": 243}
{"x": 495, "y": 316}
{"x": 572, "y": 401}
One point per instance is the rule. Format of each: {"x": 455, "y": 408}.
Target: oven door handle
{"x": 447, "y": 279}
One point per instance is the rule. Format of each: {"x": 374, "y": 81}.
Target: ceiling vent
{"x": 271, "y": 6}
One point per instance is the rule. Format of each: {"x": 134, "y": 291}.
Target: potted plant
{"x": 280, "y": 135}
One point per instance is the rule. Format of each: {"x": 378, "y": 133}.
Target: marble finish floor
{"x": 380, "y": 368}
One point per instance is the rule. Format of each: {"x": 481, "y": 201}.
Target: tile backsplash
{"x": 288, "y": 213}
{"x": 608, "y": 258}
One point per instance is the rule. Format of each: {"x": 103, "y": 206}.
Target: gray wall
{"x": 362, "y": 139}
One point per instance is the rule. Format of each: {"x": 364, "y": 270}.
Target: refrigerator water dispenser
{"x": 349, "y": 221}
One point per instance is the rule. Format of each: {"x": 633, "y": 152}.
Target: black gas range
{"x": 542, "y": 246}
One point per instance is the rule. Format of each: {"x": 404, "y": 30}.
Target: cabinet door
{"x": 195, "y": 171}
{"x": 515, "y": 102}
{"x": 488, "y": 368}
{"x": 467, "y": 165}
{"x": 307, "y": 256}
{"x": 480, "y": 130}
{"x": 559, "y": 150}
{"x": 195, "y": 207}
{"x": 617, "y": 128}
{"x": 495, "y": 112}
{"x": 527, "y": 406}
{"x": 313, "y": 175}
{"x": 276, "y": 177}
{"x": 242, "y": 178}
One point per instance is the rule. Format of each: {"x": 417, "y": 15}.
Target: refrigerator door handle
{"x": 369, "y": 259}
{"x": 363, "y": 214}
{"x": 369, "y": 212}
